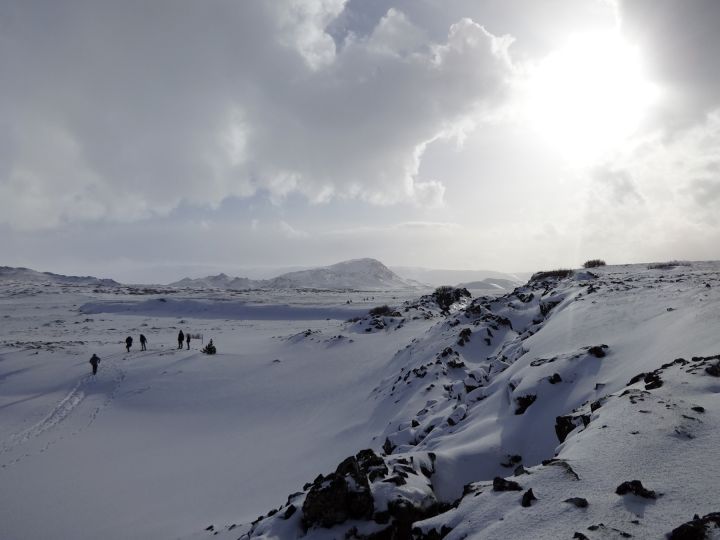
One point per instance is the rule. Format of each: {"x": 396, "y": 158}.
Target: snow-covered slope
{"x": 576, "y": 407}
{"x": 10, "y": 274}
{"x": 527, "y": 415}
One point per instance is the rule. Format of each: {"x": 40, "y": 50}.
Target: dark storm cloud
{"x": 680, "y": 43}
{"x": 125, "y": 109}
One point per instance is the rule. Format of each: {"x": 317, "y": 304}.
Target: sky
{"x": 146, "y": 141}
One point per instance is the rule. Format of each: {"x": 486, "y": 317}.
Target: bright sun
{"x": 588, "y": 97}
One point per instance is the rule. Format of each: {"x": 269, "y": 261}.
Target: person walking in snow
{"x": 143, "y": 341}
{"x": 187, "y": 338}
{"x": 128, "y": 343}
{"x": 94, "y": 361}
{"x": 181, "y": 338}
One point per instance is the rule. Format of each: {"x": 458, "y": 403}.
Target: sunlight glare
{"x": 589, "y": 97}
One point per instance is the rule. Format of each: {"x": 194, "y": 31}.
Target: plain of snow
{"x": 162, "y": 443}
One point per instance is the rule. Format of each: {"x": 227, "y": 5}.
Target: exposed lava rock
{"x": 635, "y": 487}
{"x": 524, "y": 402}
{"x": 697, "y": 528}
{"x": 598, "y": 351}
{"x": 555, "y": 378}
{"x": 344, "y": 494}
{"x": 527, "y": 498}
{"x": 500, "y": 484}
{"x": 578, "y": 502}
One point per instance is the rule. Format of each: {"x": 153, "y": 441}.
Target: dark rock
{"x": 432, "y": 534}
{"x": 580, "y": 536}
{"x": 697, "y": 528}
{"x": 342, "y": 495}
{"x": 527, "y": 498}
{"x": 415, "y": 423}
{"x": 598, "y": 351}
{"x": 652, "y": 381}
{"x": 388, "y": 447}
{"x": 699, "y": 409}
{"x": 636, "y": 378}
{"x": 500, "y": 484}
{"x": 713, "y": 371}
{"x": 579, "y": 502}
{"x": 289, "y": 511}
{"x": 524, "y": 402}
{"x": 210, "y": 528}
{"x": 564, "y": 426}
{"x": 635, "y": 487}
{"x": 595, "y": 405}
{"x": 520, "y": 470}
{"x": 555, "y": 378}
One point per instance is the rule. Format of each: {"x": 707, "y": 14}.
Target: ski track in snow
{"x": 61, "y": 412}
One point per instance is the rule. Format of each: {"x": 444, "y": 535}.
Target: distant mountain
{"x": 436, "y": 277}
{"x": 26, "y": 275}
{"x": 359, "y": 274}
{"x": 353, "y": 274}
{"x": 221, "y": 281}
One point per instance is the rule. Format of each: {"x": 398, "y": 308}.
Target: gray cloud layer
{"x": 122, "y": 110}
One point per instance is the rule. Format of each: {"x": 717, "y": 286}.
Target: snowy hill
{"x": 437, "y": 277}
{"x": 357, "y": 274}
{"x": 25, "y": 275}
{"x": 583, "y": 407}
{"x": 578, "y": 405}
{"x": 220, "y": 281}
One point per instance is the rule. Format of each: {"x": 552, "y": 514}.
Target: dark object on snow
{"x": 382, "y": 311}
{"x": 593, "y": 263}
{"x": 565, "y": 424}
{"x": 527, "y": 498}
{"x": 713, "y": 370}
{"x": 187, "y": 340}
{"x": 598, "y": 351}
{"x": 500, "y": 484}
{"x": 697, "y": 529}
{"x": 208, "y": 349}
{"x": 555, "y": 378}
{"x": 181, "y": 339}
{"x": 341, "y": 495}
{"x": 579, "y": 502}
{"x": 128, "y": 343}
{"x": 94, "y": 361}
{"x": 580, "y": 536}
{"x": 524, "y": 402}
{"x": 143, "y": 341}
{"x": 561, "y": 273}
{"x": 446, "y": 296}
{"x": 635, "y": 487}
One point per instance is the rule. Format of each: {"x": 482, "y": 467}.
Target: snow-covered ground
{"x": 538, "y": 387}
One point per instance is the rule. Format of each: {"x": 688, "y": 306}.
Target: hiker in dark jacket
{"x": 128, "y": 343}
{"x": 187, "y": 338}
{"x": 181, "y": 338}
{"x": 94, "y": 361}
{"x": 143, "y": 341}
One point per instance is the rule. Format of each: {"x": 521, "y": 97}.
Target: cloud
{"x": 679, "y": 41}
{"x": 122, "y": 111}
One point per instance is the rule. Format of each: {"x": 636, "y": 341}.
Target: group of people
{"x": 182, "y": 338}
{"x": 129, "y": 341}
